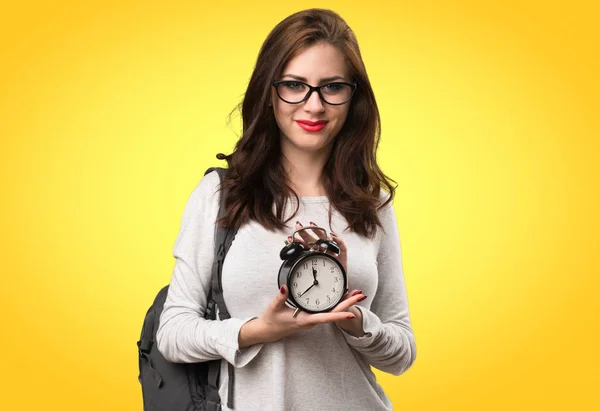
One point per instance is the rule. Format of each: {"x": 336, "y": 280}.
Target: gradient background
{"x": 111, "y": 111}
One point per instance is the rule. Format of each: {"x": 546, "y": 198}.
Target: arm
{"x": 184, "y": 335}
{"x": 388, "y": 342}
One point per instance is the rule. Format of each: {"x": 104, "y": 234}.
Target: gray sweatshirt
{"x": 323, "y": 368}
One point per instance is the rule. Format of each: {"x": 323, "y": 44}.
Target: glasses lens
{"x": 292, "y": 91}
{"x": 336, "y": 93}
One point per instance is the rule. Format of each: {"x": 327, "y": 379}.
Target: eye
{"x": 334, "y": 88}
{"x": 293, "y": 85}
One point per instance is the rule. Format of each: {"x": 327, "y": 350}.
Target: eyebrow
{"x": 323, "y": 80}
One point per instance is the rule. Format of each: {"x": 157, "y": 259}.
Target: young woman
{"x": 307, "y": 157}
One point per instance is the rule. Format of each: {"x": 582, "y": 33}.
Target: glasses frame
{"x": 314, "y": 88}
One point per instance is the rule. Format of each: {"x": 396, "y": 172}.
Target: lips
{"x": 312, "y": 123}
{"x": 312, "y": 126}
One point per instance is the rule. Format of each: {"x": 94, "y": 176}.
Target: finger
{"x": 319, "y": 233}
{"x": 322, "y": 235}
{"x": 349, "y": 302}
{"x": 343, "y": 255}
{"x": 278, "y": 302}
{"x": 351, "y": 294}
{"x": 340, "y": 243}
{"x": 348, "y": 294}
{"x": 330, "y": 317}
{"x": 305, "y": 236}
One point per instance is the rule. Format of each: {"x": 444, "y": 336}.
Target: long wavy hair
{"x": 256, "y": 179}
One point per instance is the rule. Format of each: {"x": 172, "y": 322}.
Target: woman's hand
{"x": 353, "y": 326}
{"x": 277, "y": 321}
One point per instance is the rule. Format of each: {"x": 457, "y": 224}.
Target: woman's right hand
{"x": 277, "y": 321}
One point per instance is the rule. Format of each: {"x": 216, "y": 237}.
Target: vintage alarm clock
{"x": 316, "y": 280}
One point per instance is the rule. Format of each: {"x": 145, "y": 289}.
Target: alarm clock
{"x": 316, "y": 280}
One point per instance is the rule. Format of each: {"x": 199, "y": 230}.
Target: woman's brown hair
{"x": 256, "y": 179}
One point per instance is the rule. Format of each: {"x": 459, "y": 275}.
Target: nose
{"x": 314, "y": 103}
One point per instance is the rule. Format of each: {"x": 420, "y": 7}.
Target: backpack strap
{"x": 223, "y": 239}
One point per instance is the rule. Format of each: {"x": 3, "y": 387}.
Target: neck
{"x": 304, "y": 170}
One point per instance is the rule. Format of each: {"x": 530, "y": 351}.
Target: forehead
{"x": 317, "y": 62}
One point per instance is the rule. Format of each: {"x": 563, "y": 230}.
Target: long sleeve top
{"x": 323, "y": 368}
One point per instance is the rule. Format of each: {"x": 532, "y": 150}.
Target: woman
{"x": 306, "y": 157}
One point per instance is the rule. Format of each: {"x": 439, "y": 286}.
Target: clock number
{"x": 306, "y": 266}
{"x": 332, "y": 269}
{"x": 317, "y": 302}
{"x": 336, "y": 279}
{"x": 295, "y": 284}
{"x": 333, "y": 289}
{"x": 299, "y": 274}
{"x": 328, "y": 299}
{"x": 298, "y": 295}
{"x": 307, "y": 300}
{"x": 315, "y": 262}
{"x": 324, "y": 263}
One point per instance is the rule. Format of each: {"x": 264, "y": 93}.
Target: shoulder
{"x": 208, "y": 187}
{"x": 205, "y": 195}
{"x": 384, "y": 209}
{"x": 387, "y": 215}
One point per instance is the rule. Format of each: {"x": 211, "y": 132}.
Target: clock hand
{"x": 315, "y": 274}
{"x": 313, "y": 284}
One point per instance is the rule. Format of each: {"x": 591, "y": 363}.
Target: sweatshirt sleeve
{"x": 184, "y": 335}
{"x": 388, "y": 343}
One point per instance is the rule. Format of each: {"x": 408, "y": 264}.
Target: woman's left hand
{"x": 353, "y": 326}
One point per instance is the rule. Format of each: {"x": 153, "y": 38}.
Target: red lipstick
{"x": 312, "y": 126}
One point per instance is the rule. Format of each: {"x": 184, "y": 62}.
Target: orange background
{"x": 110, "y": 112}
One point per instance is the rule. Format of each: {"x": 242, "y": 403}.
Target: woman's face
{"x": 316, "y": 65}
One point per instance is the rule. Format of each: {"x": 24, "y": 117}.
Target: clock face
{"x": 317, "y": 282}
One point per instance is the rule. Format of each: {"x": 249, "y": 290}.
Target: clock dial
{"x": 317, "y": 282}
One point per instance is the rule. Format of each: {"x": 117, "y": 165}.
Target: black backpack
{"x": 168, "y": 386}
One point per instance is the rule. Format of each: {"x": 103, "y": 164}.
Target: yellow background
{"x": 110, "y": 112}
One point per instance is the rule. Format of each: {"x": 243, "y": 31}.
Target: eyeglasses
{"x": 295, "y": 92}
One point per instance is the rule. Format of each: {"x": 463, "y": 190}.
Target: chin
{"x": 312, "y": 142}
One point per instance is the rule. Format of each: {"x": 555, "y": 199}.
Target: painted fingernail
{"x": 289, "y": 238}
{"x": 362, "y": 298}
{"x": 356, "y": 292}
{"x": 282, "y": 289}
{"x": 351, "y": 317}
{"x": 298, "y": 222}
{"x": 311, "y": 223}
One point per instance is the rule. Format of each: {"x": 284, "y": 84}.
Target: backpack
{"x": 168, "y": 386}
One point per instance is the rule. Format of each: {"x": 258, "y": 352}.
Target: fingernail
{"x": 282, "y": 289}
{"x": 298, "y": 222}
{"x": 351, "y": 317}
{"x": 334, "y": 234}
{"x": 289, "y": 238}
{"x": 362, "y": 298}
{"x": 356, "y": 292}
{"x": 311, "y": 223}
